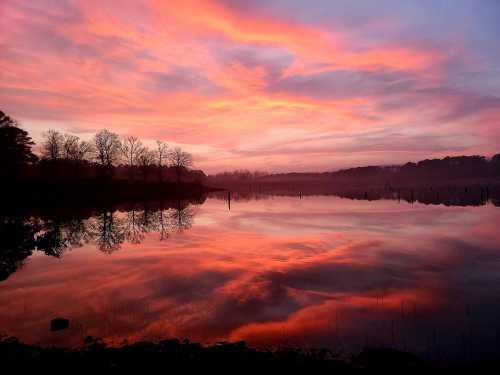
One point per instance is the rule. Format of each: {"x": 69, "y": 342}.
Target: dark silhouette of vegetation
{"x": 458, "y": 180}
{"x": 180, "y": 161}
{"x": 457, "y": 168}
{"x": 107, "y": 146}
{"x": 52, "y": 146}
{"x": 15, "y": 149}
{"x": 105, "y": 166}
{"x": 166, "y": 354}
{"x": 436, "y": 172}
{"x": 170, "y": 353}
{"x": 162, "y": 154}
{"x": 146, "y": 161}
{"x": 131, "y": 148}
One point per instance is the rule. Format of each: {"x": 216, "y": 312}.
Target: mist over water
{"x": 276, "y": 271}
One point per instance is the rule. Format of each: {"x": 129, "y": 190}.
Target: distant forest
{"x": 457, "y": 170}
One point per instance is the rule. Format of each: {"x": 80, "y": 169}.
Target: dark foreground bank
{"x": 168, "y": 353}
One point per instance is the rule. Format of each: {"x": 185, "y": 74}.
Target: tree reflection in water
{"x": 109, "y": 229}
{"x": 18, "y": 243}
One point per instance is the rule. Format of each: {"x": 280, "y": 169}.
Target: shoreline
{"x": 165, "y": 353}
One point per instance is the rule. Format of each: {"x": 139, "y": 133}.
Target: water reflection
{"x": 18, "y": 242}
{"x": 108, "y": 230}
{"x": 476, "y": 195}
{"x": 321, "y": 271}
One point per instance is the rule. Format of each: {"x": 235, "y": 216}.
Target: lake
{"x": 315, "y": 271}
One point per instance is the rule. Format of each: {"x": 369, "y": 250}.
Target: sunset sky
{"x": 282, "y": 85}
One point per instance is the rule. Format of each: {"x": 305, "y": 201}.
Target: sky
{"x": 270, "y": 85}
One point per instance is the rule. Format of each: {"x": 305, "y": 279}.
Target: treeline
{"x": 239, "y": 175}
{"x": 459, "y": 170}
{"x": 170, "y": 354}
{"x": 107, "y": 156}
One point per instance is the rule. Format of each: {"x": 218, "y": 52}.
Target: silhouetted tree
{"x": 107, "y": 148}
{"x": 70, "y": 146}
{"x": 146, "y": 160}
{"x": 76, "y": 149}
{"x": 63, "y": 153}
{"x": 161, "y": 156}
{"x": 131, "y": 149}
{"x": 83, "y": 151}
{"x": 53, "y": 145}
{"x": 66, "y": 158}
{"x": 8, "y": 121}
{"x": 15, "y": 148}
{"x": 180, "y": 160}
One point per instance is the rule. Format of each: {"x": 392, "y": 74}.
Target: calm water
{"x": 318, "y": 271}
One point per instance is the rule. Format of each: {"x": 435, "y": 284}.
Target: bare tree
{"x": 180, "y": 160}
{"x": 107, "y": 148}
{"x": 53, "y": 145}
{"x": 161, "y": 156}
{"x": 76, "y": 151}
{"x": 145, "y": 160}
{"x": 70, "y": 146}
{"x": 83, "y": 151}
{"x": 130, "y": 148}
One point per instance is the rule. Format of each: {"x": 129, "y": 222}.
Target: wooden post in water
{"x": 229, "y": 200}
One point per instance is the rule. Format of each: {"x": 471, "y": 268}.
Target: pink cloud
{"x": 216, "y": 78}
